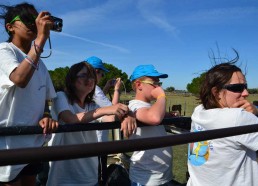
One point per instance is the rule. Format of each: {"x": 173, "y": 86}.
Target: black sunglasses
{"x": 238, "y": 88}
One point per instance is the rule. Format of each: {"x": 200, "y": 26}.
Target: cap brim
{"x": 163, "y": 76}
{"x": 106, "y": 70}
{"x": 158, "y": 75}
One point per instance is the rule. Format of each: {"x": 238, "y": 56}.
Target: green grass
{"x": 180, "y": 163}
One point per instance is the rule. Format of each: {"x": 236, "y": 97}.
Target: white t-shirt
{"x": 150, "y": 167}
{"x": 21, "y": 106}
{"x": 102, "y": 101}
{"x": 224, "y": 161}
{"x": 74, "y": 172}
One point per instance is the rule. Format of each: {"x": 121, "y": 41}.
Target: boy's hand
{"x": 117, "y": 84}
{"x": 128, "y": 126}
{"x": 157, "y": 92}
{"x": 48, "y": 124}
{"x": 245, "y": 104}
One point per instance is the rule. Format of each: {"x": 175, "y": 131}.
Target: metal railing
{"x": 55, "y": 153}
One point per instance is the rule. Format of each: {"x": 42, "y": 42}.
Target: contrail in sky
{"x": 96, "y": 42}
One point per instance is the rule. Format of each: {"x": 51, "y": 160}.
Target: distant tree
{"x": 253, "y": 91}
{"x": 195, "y": 86}
{"x": 58, "y": 77}
{"x": 170, "y": 89}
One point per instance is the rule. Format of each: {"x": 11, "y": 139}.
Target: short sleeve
{"x": 60, "y": 103}
{"x": 9, "y": 62}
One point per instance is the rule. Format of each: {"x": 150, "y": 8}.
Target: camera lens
{"x": 58, "y": 24}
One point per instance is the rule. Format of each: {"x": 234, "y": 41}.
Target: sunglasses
{"x": 153, "y": 83}
{"x": 238, "y": 88}
{"x": 29, "y": 21}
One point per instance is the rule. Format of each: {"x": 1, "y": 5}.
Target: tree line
{"x": 58, "y": 78}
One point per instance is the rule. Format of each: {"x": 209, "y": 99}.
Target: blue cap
{"x": 96, "y": 63}
{"x": 146, "y": 70}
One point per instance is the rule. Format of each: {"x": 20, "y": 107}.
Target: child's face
{"x": 100, "y": 74}
{"x": 148, "y": 85}
{"x": 84, "y": 82}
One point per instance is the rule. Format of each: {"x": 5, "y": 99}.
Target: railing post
{"x": 117, "y": 134}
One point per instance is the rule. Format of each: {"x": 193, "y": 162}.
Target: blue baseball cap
{"x": 146, "y": 70}
{"x": 96, "y": 63}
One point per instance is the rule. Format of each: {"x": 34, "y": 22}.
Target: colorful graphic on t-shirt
{"x": 198, "y": 152}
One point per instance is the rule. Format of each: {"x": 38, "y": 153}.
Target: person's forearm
{"x": 103, "y": 111}
{"x": 158, "y": 110}
{"x": 109, "y": 118}
{"x": 116, "y": 96}
{"x": 95, "y": 114}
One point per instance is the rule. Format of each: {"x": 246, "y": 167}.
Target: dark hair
{"x": 10, "y": 12}
{"x": 71, "y": 77}
{"x": 217, "y": 77}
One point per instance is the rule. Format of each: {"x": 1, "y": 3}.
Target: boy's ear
{"x": 9, "y": 27}
{"x": 138, "y": 85}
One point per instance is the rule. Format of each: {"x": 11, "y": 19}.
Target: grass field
{"x": 180, "y": 163}
{"x": 188, "y": 103}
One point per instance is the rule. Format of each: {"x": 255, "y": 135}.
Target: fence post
{"x": 117, "y": 134}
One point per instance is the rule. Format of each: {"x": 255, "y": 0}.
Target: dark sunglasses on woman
{"x": 237, "y": 88}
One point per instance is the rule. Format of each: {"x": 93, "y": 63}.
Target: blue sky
{"x": 175, "y": 36}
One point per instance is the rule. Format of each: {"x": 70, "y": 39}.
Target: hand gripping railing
{"x": 25, "y": 130}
